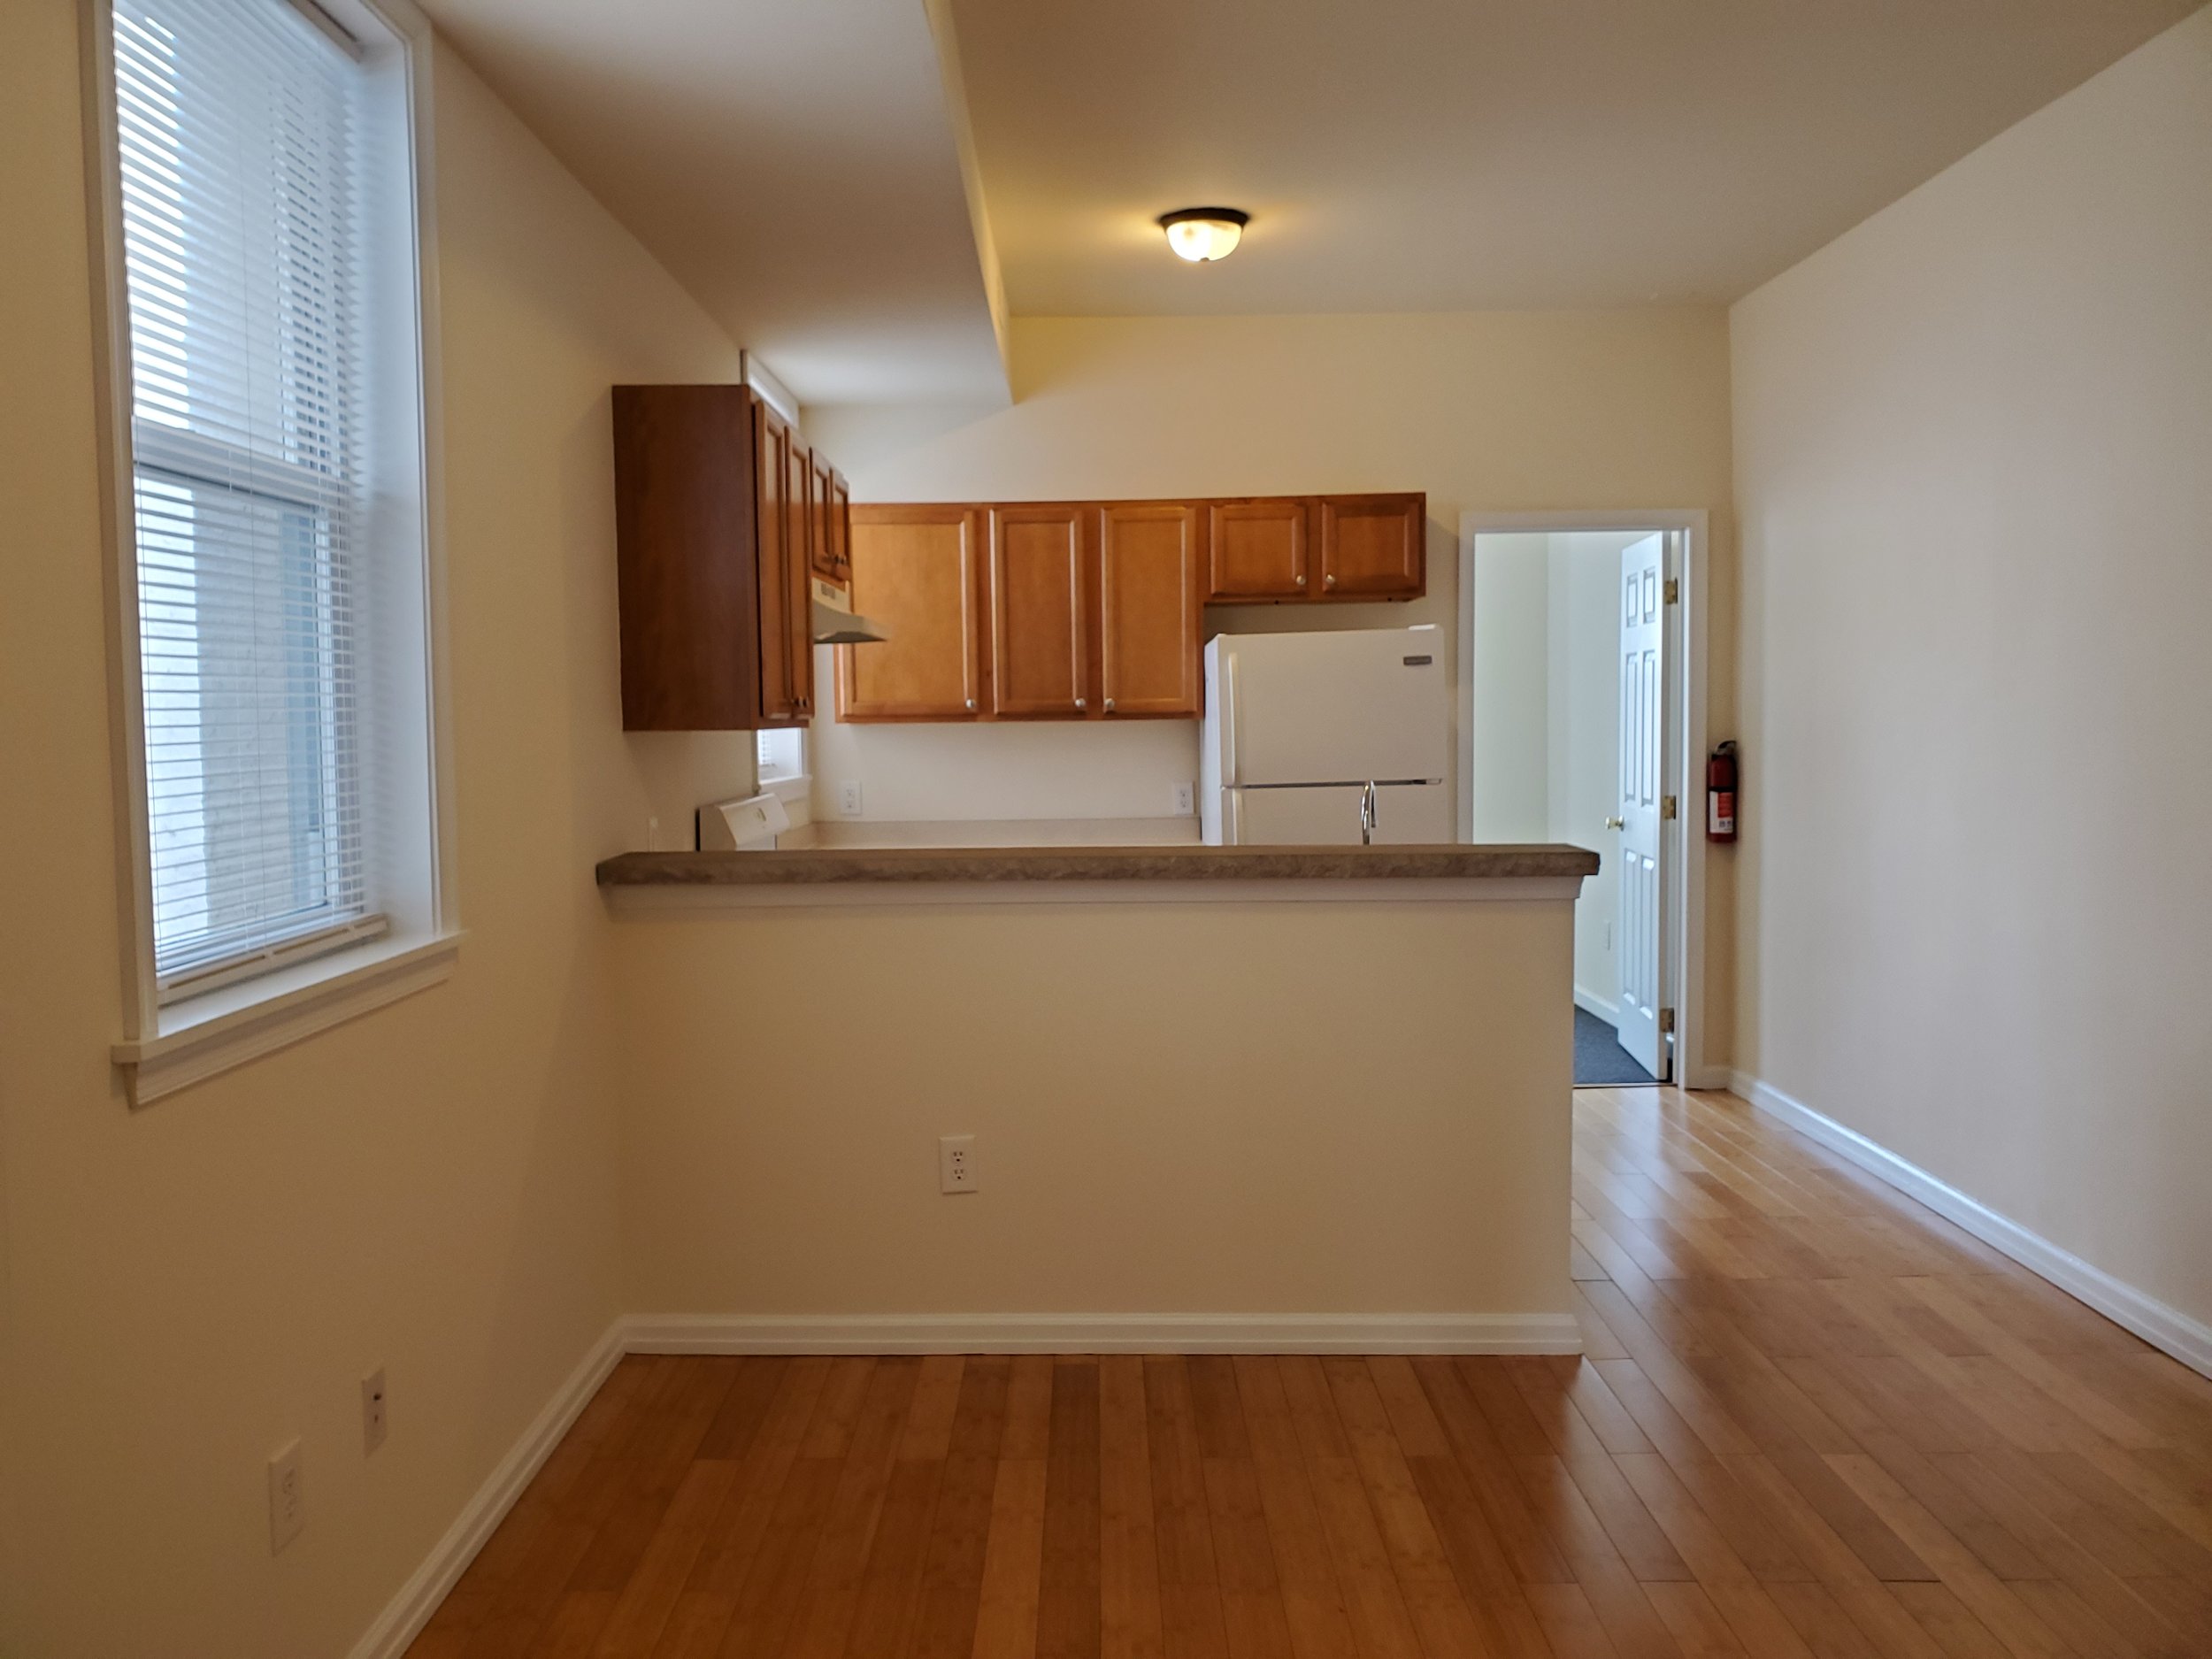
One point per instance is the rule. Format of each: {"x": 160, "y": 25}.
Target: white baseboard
{"x": 2163, "y": 1327}
{"x": 1591, "y": 1003}
{"x": 1108, "y": 1334}
{"x": 404, "y": 1617}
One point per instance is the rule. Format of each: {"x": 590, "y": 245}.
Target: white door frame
{"x": 1686, "y": 742}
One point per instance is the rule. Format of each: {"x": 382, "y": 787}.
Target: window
{"x": 264, "y": 218}
{"x": 781, "y": 755}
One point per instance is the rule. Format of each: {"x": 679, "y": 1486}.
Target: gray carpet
{"x": 1599, "y": 1056}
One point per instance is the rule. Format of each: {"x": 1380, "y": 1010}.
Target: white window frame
{"x": 168, "y": 1046}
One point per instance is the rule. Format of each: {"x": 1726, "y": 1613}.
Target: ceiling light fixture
{"x": 1200, "y": 233}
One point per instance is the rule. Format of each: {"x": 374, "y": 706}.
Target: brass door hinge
{"x": 1666, "y": 1021}
{"x": 1666, "y": 806}
{"x": 1674, "y": 590}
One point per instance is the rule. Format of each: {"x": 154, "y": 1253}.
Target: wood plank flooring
{"x": 1814, "y": 1419}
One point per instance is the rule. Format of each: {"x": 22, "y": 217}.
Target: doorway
{"x": 1576, "y": 710}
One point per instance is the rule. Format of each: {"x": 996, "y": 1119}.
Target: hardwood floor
{"x": 1814, "y": 1419}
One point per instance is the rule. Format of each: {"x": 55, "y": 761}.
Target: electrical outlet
{"x": 956, "y": 1164}
{"x": 288, "y": 1498}
{"x": 848, "y": 797}
{"x": 372, "y": 1419}
{"x": 1186, "y": 799}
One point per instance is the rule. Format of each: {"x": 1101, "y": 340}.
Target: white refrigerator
{"x": 1316, "y": 739}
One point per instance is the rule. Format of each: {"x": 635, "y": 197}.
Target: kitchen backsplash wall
{"x": 1061, "y": 768}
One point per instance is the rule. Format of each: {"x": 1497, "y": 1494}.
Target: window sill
{"x": 790, "y": 791}
{"x": 225, "y": 1028}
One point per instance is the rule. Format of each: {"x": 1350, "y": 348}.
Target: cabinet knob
{"x": 1080, "y": 703}
{"x": 972, "y": 703}
{"x": 1329, "y": 580}
{"x": 1301, "y": 579}
{"x": 1109, "y": 705}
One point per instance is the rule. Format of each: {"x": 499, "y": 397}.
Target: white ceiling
{"x": 796, "y": 166}
{"x": 793, "y": 165}
{"x": 1438, "y": 155}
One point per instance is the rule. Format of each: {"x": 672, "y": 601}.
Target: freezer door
{"x": 1327, "y": 815}
{"x": 1331, "y": 708}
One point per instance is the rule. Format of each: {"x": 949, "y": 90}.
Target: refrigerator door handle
{"x": 1234, "y": 835}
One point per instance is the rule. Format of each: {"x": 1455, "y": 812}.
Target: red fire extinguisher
{"x": 1720, "y": 794}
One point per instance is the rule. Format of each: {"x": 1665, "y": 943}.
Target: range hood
{"x": 837, "y": 623}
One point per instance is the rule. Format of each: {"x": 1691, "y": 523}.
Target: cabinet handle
{"x": 1329, "y": 580}
{"x": 1109, "y": 705}
{"x": 970, "y": 702}
{"x": 1080, "y": 703}
{"x": 1301, "y": 579}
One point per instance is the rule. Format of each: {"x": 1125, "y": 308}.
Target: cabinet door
{"x": 822, "y": 540}
{"x": 686, "y": 529}
{"x": 1256, "y": 549}
{"x": 1039, "y": 658}
{"x": 917, "y": 571}
{"x": 841, "y": 528}
{"x": 1148, "y": 609}
{"x": 1374, "y": 546}
{"x": 779, "y": 521}
{"x": 798, "y": 594}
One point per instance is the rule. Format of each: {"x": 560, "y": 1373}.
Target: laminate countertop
{"x": 819, "y": 866}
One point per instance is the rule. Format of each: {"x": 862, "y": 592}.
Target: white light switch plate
{"x": 373, "y": 1419}
{"x": 288, "y": 1498}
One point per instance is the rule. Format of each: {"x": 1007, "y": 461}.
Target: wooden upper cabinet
{"x": 1374, "y": 546}
{"x": 1093, "y": 611}
{"x": 716, "y": 511}
{"x": 917, "y": 571}
{"x": 1148, "y": 558}
{"x": 1257, "y": 549}
{"x": 1040, "y": 651}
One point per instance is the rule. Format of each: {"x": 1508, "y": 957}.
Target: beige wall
{"x": 1510, "y": 795}
{"x": 1974, "y": 438}
{"x": 1496, "y": 411}
{"x": 429, "y": 1188}
{"x": 1179, "y": 1108}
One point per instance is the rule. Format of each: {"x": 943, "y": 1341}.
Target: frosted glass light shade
{"x": 1201, "y": 233}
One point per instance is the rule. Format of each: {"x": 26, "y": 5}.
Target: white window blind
{"x": 245, "y": 161}
{"x": 780, "y": 754}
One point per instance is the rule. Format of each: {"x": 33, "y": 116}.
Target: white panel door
{"x": 1643, "y": 727}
